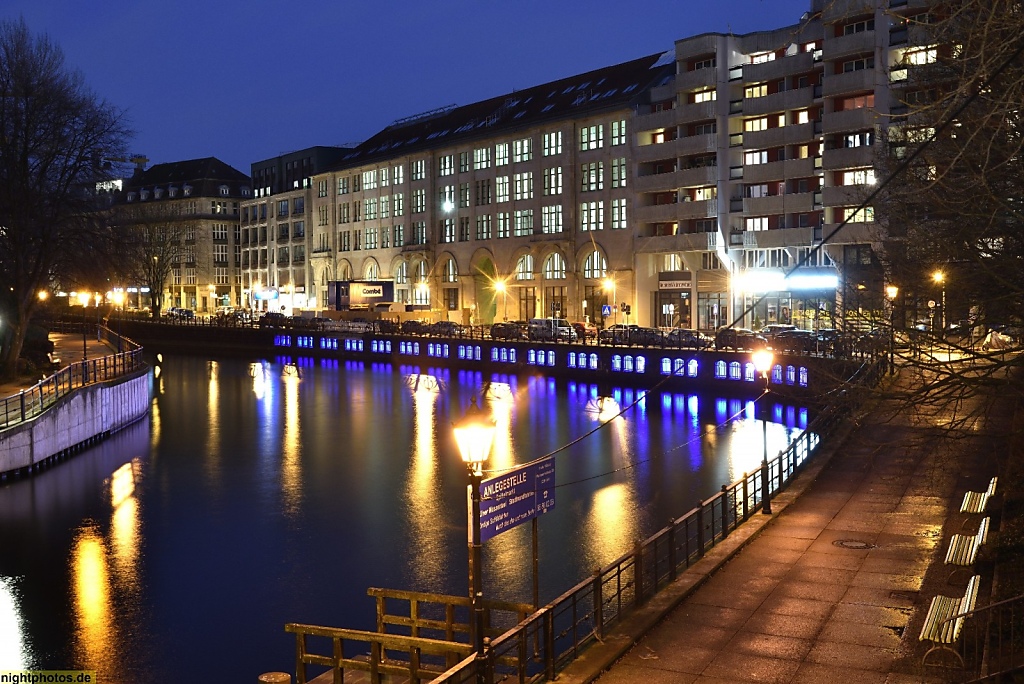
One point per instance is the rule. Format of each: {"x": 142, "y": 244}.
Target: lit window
{"x": 551, "y": 219}
{"x": 552, "y": 143}
{"x": 592, "y": 137}
{"x": 708, "y": 95}
{"x": 618, "y": 132}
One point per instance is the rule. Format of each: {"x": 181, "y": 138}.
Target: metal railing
{"x": 33, "y": 401}
{"x": 537, "y": 648}
{"x": 991, "y": 642}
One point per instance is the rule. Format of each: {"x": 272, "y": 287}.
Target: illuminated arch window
{"x": 451, "y": 272}
{"x": 402, "y": 273}
{"x": 524, "y": 268}
{"x": 554, "y": 267}
{"x": 372, "y": 271}
{"x": 596, "y": 266}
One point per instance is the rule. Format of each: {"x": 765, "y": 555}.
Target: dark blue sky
{"x": 244, "y": 81}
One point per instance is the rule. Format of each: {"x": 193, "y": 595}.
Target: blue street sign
{"x": 516, "y": 496}
{"x": 606, "y": 309}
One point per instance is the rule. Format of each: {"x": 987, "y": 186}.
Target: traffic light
{"x": 622, "y": 307}
{"x": 627, "y": 309}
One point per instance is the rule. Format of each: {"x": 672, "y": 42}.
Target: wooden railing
{"x": 441, "y": 616}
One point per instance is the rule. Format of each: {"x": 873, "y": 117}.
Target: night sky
{"x": 245, "y": 81}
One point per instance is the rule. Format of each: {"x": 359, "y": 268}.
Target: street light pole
{"x": 940, "y": 278}
{"x": 762, "y": 364}
{"x": 891, "y": 291}
{"x": 474, "y": 435}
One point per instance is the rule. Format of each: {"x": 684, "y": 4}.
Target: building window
{"x": 859, "y": 27}
{"x": 383, "y": 173}
{"x": 369, "y": 180}
{"x": 447, "y": 230}
{"x": 504, "y": 221}
{"x": 483, "y": 192}
{"x": 523, "y": 222}
{"x": 756, "y": 223}
{"x": 385, "y": 206}
{"x": 552, "y": 143}
{"x": 371, "y": 238}
{"x": 618, "y": 132}
{"x": 706, "y": 95}
{"x": 524, "y": 186}
{"x": 482, "y": 158}
{"x": 551, "y": 219}
{"x": 553, "y": 181}
{"x": 858, "y": 64}
{"x": 446, "y": 165}
{"x": 862, "y": 215}
{"x": 463, "y": 195}
{"x": 592, "y": 176}
{"x": 858, "y": 177}
{"x": 463, "y": 162}
{"x": 596, "y": 266}
{"x": 321, "y": 188}
{"x": 418, "y": 170}
{"x": 419, "y": 201}
{"x": 343, "y": 213}
{"x": 619, "y": 172}
{"x": 399, "y": 231}
{"x": 706, "y": 63}
{"x": 755, "y": 90}
{"x": 370, "y": 208}
{"x": 522, "y": 150}
{"x": 554, "y": 267}
{"x": 524, "y": 267}
{"x": 398, "y": 175}
{"x": 501, "y": 154}
{"x": 618, "y": 214}
{"x": 399, "y": 204}
{"x": 592, "y": 216}
{"x": 483, "y": 227}
{"x": 502, "y": 188}
{"x": 592, "y": 137}
{"x": 343, "y": 186}
{"x": 419, "y": 233}
{"x": 754, "y": 125}
{"x": 755, "y": 157}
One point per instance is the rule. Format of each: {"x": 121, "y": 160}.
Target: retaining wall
{"x": 76, "y": 420}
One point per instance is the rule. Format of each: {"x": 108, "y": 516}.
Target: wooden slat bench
{"x": 963, "y": 548}
{"x": 945, "y": 619}
{"x": 975, "y": 502}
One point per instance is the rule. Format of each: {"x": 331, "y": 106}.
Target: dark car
{"x": 795, "y": 340}
{"x": 414, "y": 327}
{"x": 684, "y": 338}
{"x": 739, "y": 338}
{"x": 772, "y": 330}
{"x": 273, "y": 319}
{"x": 507, "y": 330}
{"x": 446, "y": 329}
{"x": 585, "y": 331}
{"x": 620, "y": 333}
{"x": 648, "y": 337}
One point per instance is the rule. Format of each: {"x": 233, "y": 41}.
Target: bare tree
{"x": 53, "y": 133}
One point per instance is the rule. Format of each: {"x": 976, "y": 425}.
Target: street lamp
{"x": 500, "y": 287}
{"x": 83, "y": 299}
{"x": 891, "y": 291}
{"x": 940, "y": 279}
{"x": 762, "y": 364}
{"x": 474, "y": 435}
{"x": 609, "y": 284}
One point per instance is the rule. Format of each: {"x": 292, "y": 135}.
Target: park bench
{"x": 975, "y": 502}
{"x": 945, "y": 619}
{"x": 963, "y": 548}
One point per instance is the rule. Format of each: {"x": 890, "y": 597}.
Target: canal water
{"x": 266, "y": 492}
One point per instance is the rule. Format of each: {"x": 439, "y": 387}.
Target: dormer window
{"x": 224, "y": 191}
{"x": 144, "y": 195}
{"x": 172, "y": 191}
{"x": 131, "y": 197}
{"x": 187, "y": 190}
{"x": 245, "y": 191}
{"x": 158, "y": 193}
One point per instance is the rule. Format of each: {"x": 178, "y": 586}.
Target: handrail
{"x": 537, "y": 648}
{"x": 35, "y": 400}
{"x": 991, "y": 640}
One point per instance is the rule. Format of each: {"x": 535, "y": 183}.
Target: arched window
{"x": 554, "y": 267}
{"x": 346, "y": 274}
{"x": 421, "y": 290}
{"x": 524, "y": 268}
{"x": 596, "y": 266}
{"x": 451, "y": 272}
{"x": 402, "y": 273}
{"x": 372, "y": 271}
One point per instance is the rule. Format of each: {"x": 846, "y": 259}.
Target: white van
{"x": 551, "y": 329}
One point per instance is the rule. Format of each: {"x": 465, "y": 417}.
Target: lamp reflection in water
{"x": 13, "y": 653}
{"x": 291, "y": 458}
{"x": 763, "y": 359}
{"x": 427, "y": 561}
{"x": 94, "y": 623}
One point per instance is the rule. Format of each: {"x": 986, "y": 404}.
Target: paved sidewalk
{"x": 68, "y": 348}
{"x": 835, "y": 586}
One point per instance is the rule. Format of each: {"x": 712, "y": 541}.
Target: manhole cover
{"x": 855, "y": 544}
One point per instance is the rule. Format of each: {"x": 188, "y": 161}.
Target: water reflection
{"x": 611, "y": 524}
{"x": 291, "y": 463}
{"x": 14, "y": 655}
{"x": 212, "y": 461}
{"x": 95, "y": 627}
{"x": 427, "y": 560}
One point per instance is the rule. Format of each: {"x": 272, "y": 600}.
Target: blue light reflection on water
{"x": 270, "y": 492}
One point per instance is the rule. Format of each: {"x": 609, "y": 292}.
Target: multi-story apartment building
{"x": 194, "y": 204}
{"x": 717, "y": 183}
{"x": 275, "y": 252}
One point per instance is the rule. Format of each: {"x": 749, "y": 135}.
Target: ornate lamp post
{"x": 891, "y": 291}
{"x": 940, "y": 278}
{"x": 762, "y": 364}
{"x": 474, "y": 435}
{"x": 501, "y": 288}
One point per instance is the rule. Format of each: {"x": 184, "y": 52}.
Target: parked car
{"x": 551, "y": 329}
{"x": 414, "y": 327}
{"x": 585, "y": 331}
{"x": 739, "y": 338}
{"x": 507, "y": 330}
{"x": 684, "y": 338}
{"x": 446, "y": 329}
{"x": 273, "y": 319}
{"x": 795, "y": 340}
{"x": 620, "y": 333}
{"x": 770, "y": 331}
{"x": 648, "y": 337}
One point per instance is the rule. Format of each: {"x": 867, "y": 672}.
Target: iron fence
{"x": 33, "y": 401}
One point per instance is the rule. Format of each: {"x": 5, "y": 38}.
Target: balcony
{"x": 792, "y": 203}
{"x": 836, "y": 10}
{"x": 852, "y": 233}
{"x": 779, "y": 102}
{"x": 790, "y": 168}
{"x": 850, "y": 82}
{"x": 681, "y": 242}
{"x": 862, "y": 43}
{"x": 850, "y": 120}
{"x": 656, "y": 213}
{"x": 695, "y": 210}
{"x": 696, "y": 144}
{"x": 692, "y": 178}
{"x": 778, "y": 68}
{"x": 657, "y": 151}
{"x": 848, "y": 157}
{"x": 845, "y": 195}
{"x": 777, "y": 137}
{"x": 779, "y": 238}
{"x": 653, "y": 121}
{"x": 691, "y": 80}
{"x": 697, "y": 111}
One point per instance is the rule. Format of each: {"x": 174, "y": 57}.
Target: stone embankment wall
{"x": 77, "y": 420}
